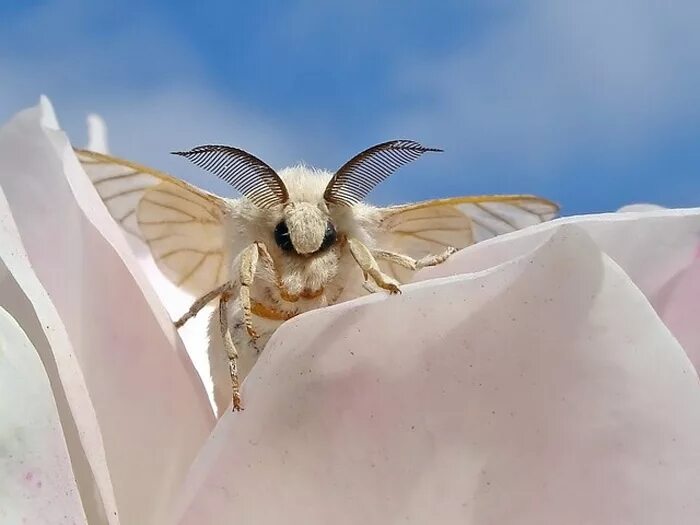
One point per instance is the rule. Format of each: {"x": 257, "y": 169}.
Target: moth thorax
{"x": 307, "y": 226}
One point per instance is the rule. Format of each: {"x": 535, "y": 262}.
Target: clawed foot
{"x": 237, "y": 405}
{"x": 251, "y": 332}
{"x": 390, "y": 286}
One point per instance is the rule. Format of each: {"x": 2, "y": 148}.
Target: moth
{"x": 297, "y": 239}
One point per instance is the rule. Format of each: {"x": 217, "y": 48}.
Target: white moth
{"x": 296, "y": 240}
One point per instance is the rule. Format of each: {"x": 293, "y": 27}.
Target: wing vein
{"x": 197, "y": 203}
{"x": 422, "y": 238}
{"x": 188, "y": 221}
{"x": 196, "y": 267}
{"x": 121, "y": 194}
{"x": 496, "y": 216}
{"x": 481, "y": 224}
{"x": 168, "y": 207}
{"x": 185, "y": 250}
{"x": 118, "y": 177}
{"x": 437, "y": 229}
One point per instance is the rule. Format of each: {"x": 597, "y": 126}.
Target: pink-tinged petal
{"x": 195, "y": 333}
{"x": 652, "y": 247}
{"x": 152, "y": 409}
{"x": 26, "y": 300}
{"x": 543, "y": 390}
{"x": 37, "y": 485}
{"x": 678, "y": 305}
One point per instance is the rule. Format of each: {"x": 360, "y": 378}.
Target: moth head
{"x": 305, "y": 229}
{"x": 307, "y": 226}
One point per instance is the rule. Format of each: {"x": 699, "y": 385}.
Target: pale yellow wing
{"x": 180, "y": 223}
{"x": 429, "y": 227}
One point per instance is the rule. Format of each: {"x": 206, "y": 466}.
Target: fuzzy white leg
{"x": 225, "y": 337}
{"x": 218, "y": 365}
{"x": 414, "y": 264}
{"x": 366, "y": 261}
{"x": 246, "y": 275}
{"x": 370, "y": 286}
{"x": 201, "y": 303}
{"x": 248, "y": 352}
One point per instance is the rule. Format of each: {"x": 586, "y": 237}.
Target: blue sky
{"x": 594, "y": 104}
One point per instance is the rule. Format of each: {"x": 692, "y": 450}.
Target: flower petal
{"x": 176, "y": 301}
{"x": 152, "y": 409}
{"x": 677, "y": 305}
{"x": 37, "y": 484}
{"x": 652, "y": 247}
{"x": 97, "y": 134}
{"x": 25, "y": 299}
{"x": 542, "y": 390}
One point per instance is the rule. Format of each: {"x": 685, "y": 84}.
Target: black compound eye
{"x": 329, "y": 237}
{"x": 282, "y": 237}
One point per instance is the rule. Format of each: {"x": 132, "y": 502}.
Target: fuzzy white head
{"x": 305, "y": 236}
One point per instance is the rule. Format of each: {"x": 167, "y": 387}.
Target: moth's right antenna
{"x": 245, "y": 172}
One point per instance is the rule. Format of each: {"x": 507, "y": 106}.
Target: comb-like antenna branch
{"x": 248, "y": 174}
{"x": 357, "y": 177}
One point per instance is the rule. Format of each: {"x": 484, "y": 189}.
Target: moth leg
{"x": 415, "y": 264}
{"x": 200, "y": 303}
{"x": 370, "y": 286}
{"x": 247, "y": 268}
{"x": 231, "y": 351}
{"x": 366, "y": 261}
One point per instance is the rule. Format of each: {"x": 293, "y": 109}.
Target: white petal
{"x": 677, "y": 305}
{"x": 48, "y": 115}
{"x": 543, "y": 390}
{"x": 37, "y": 484}
{"x": 652, "y": 247}
{"x": 152, "y": 409}
{"x": 194, "y": 334}
{"x": 25, "y": 299}
{"x": 97, "y": 134}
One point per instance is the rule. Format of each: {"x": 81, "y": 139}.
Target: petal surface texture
{"x": 544, "y": 389}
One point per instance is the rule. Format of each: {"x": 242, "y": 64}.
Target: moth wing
{"x": 429, "y": 227}
{"x": 181, "y": 224}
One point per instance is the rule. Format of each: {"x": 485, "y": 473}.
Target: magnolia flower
{"x": 544, "y": 376}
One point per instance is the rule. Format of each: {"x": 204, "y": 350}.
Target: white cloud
{"x": 142, "y": 79}
{"x": 559, "y": 78}
{"x": 538, "y": 86}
